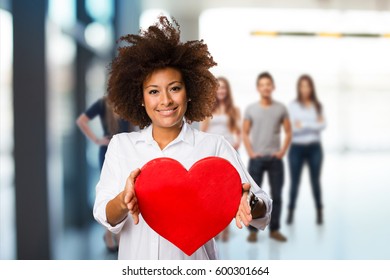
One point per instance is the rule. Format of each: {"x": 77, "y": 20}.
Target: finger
{"x": 134, "y": 174}
{"x": 135, "y": 218}
{"x": 246, "y": 186}
{"x": 131, "y": 204}
{"x": 136, "y": 209}
{"x": 248, "y": 218}
{"x": 246, "y": 206}
{"x": 243, "y": 218}
{"x": 238, "y": 223}
{"x": 129, "y": 196}
{"x": 131, "y": 178}
{"x": 246, "y": 211}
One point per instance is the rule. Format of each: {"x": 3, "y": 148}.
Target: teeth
{"x": 166, "y": 110}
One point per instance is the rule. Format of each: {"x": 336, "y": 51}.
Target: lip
{"x": 167, "y": 112}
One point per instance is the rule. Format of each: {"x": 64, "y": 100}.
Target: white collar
{"x": 186, "y": 135}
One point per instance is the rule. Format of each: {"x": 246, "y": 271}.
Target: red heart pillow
{"x": 188, "y": 208}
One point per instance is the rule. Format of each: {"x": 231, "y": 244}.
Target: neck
{"x": 221, "y": 103}
{"x": 220, "y": 107}
{"x": 165, "y": 135}
{"x": 266, "y": 101}
{"x": 306, "y": 101}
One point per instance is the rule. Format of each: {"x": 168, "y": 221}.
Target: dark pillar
{"x": 77, "y": 212}
{"x": 29, "y": 98}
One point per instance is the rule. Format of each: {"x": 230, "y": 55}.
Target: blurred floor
{"x": 356, "y": 192}
{"x": 84, "y": 244}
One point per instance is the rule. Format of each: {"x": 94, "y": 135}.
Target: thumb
{"x": 246, "y": 187}
{"x": 130, "y": 182}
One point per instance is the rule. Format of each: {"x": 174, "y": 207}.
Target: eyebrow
{"x": 171, "y": 83}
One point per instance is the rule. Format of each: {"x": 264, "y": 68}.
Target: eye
{"x": 153, "y": 91}
{"x": 175, "y": 88}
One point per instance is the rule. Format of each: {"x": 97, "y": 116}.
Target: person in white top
{"x": 226, "y": 122}
{"x": 161, "y": 85}
{"x": 307, "y": 118}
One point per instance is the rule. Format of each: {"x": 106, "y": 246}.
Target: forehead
{"x": 221, "y": 82}
{"x": 305, "y": 82}
{"x": 162, "y": 76}
{"x": 265, "y": 80}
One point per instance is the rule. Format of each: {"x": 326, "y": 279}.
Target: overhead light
{"x": 96, "y": 35}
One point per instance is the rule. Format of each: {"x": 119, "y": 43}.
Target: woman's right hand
{"x": 129, "y": 198}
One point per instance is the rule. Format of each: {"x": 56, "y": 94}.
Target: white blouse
{"x": 219, "y": 124}
{"x": 128, "y": 151}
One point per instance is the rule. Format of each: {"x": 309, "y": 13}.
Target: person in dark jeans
{"x": 307, "y": 119}
{"x": 111, "y": 125}
{"x": 263, "y": 121}
{"x": 274, "y": 167}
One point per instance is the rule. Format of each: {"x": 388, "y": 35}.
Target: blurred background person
{"x": 307, "y": 118}
{"x": 263, "y": 121}
{"x": 226, "y": 116}
{"x": 111, "y": 124}
{"x": 226, "y": 122}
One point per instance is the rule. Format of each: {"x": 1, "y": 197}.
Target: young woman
{"x": 111, "y": 125}
{"x": 162, "y": 84}
{"x": 308, "y": 121}
{"x": 225, "y": 121}
{"x": 226, "y": 117}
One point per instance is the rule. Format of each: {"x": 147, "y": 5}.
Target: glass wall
{"x": 7, "y": 187}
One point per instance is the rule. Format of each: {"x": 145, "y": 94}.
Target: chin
{"x": 168, "y": 123}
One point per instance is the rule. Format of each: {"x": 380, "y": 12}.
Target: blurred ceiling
{"x": 192, "y": 8}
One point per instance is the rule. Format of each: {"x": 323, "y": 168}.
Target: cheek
{"x": 149, "y": 102}
{"x": 181, "y": 98}
{"x": 221, "y": 94}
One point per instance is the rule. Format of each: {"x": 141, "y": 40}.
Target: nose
{"x": 166, "y": 98}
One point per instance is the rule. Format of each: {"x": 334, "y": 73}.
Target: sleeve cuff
{"x": 101, "y": 217}
{"x": 261, "y": 223}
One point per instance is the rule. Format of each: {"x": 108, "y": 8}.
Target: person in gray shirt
{"x": 263, "y": 121}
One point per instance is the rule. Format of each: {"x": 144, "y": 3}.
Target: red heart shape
{"x": 188, "y": 208}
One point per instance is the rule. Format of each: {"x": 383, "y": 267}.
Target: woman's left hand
{"x": 244, "y": 211}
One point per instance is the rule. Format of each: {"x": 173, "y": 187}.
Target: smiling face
{"x": 165, "y": 97}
